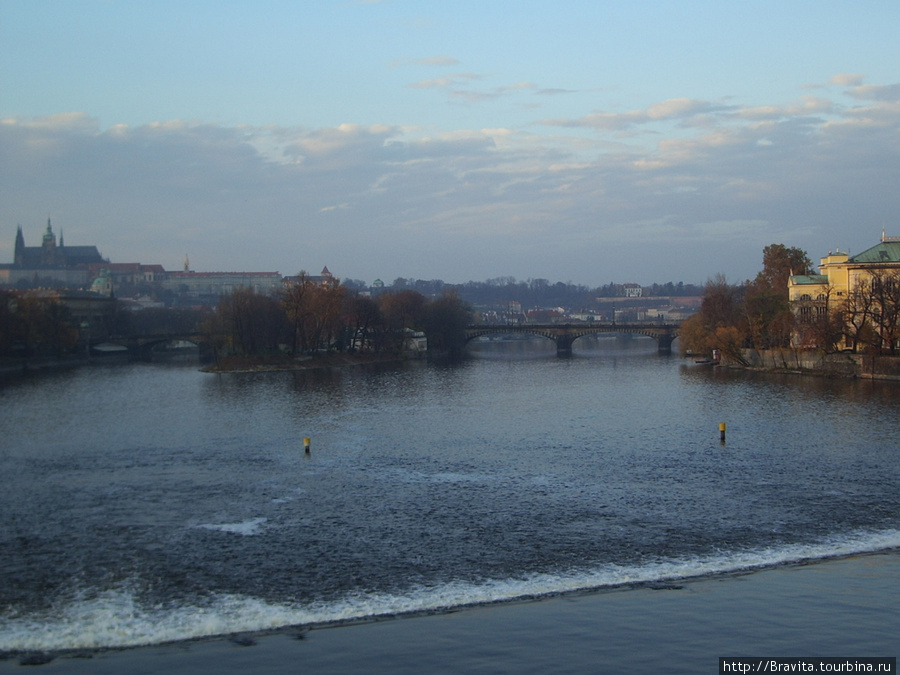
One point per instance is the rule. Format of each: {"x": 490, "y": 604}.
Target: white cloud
{"x": 70, "y": 121}
{"x": 872, "y": 92}
{"x": 847, "y": 79}
{"x": 675, "y": 107}
{"x": 680, "y": 109}
{"x": 385, "y": 200}
{"x": 459, "y": 87}
{"x": 444, "y": 82}
{"x": 807, "y": 105}
{"x": 326, "y": 209}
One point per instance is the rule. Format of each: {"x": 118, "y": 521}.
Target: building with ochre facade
{"x": 861, "y": 292}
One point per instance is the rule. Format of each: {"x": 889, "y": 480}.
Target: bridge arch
{"x": 140, "y": 347}
{"x": 564, "y": 335}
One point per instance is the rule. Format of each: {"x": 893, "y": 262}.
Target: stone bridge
{"x": 140, "y": 346}
{"x": 564, "y": 334}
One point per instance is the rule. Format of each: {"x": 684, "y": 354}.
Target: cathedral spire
{"x": 48, "y": 246}
{"x": 19, "y": 255}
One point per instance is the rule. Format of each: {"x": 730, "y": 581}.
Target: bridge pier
{"x": 664, "y": 343}
{"x": 564, "y": 346}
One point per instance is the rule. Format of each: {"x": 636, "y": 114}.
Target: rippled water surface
{"x": 147, "y": 503}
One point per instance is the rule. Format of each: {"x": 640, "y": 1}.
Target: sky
{"x": 584, "y": 142}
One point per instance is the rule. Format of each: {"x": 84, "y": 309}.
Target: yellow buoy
{"x": 306, "y": 445}
{"x": 722, "y": 431}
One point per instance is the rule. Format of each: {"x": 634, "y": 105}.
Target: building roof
{"x": 81, "y": 255}
{"x": 31, "y": 256}
{"x": 885, "y": 252}
{"x": 116, "y": 267}
{"x": 809, "y": 279}
{"x": 199, "y": 275}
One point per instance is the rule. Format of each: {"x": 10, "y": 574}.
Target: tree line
{"x": 758, "y": 314}
{"x": 32, "y": 326}
{"x": 306, "y": 317}
{"x": 500, "y": 291}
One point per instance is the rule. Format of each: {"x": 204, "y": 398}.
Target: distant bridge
{"x": 564, "y": 334}
{"x": 141, "y": 346}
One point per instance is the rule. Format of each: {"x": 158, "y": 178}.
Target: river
{"x": 148, "y": 503}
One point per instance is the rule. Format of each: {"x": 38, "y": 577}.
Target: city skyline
{"x": 582, "y": 142}
{"x": 33, "y": 264}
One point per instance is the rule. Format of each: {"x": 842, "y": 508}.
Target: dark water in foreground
{"x": 149, "y": 503}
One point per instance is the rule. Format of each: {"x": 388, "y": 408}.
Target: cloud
{"x": 670, "y": 109}
{"x": 444, "y": 82}
{"x": 457, "y": 86}
{"x": 69, "y": 121}
{"x": 716, "y": 184}
{"x": 676, "y": 107}
{"x": 519, "y": 86}
{"x": 871, "y": 92}
{"x": 847, "y": 79}
{"x": 555, "y": 92}
{"x": 439, "y": 61}
{"x": 333, "y": 144}
{"x": 335, "y": 207}
{"x": 808, "y": 105}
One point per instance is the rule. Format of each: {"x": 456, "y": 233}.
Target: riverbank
{"x": 13, "y": 367}
{"x": 810, "y": 362}
{"x": 835, "y": 608}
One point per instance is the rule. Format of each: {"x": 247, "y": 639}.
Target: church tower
{"x": 48, "y": 246}
{"x": 19, "y": 256}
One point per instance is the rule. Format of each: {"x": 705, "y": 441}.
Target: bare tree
{"x": 446, "y": 319}
{"x": 297, "y": 305}
{"x": 856, "y": 312}
{"x": 363, "y": 318}
{"x": 886, "y": 310}
{"x": 325, "y": 325}
{"x": 252, "y": 323}
{"x": 400, "y": 312}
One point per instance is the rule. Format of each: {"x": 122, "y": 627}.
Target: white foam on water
{"x": 114, "y": 619}
{"x": 245, "y": 528}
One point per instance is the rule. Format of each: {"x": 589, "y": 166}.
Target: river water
{"x": 148, "y": 503}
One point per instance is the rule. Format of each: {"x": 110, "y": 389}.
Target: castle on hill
{"x": 52, "y": 261}
{"x": 49, "y": 255}
{"x": 55, "y": 265}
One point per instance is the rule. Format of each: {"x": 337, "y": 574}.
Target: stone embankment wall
{"x": 831, "y": 365}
